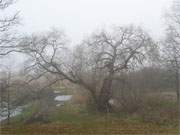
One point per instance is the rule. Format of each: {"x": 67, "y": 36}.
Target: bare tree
{"x": 95, "y": 63}
{"x": 7, "y": 23}
{"x": 5, "y": 91}
{"x": 111, "y": 54}
{"x": 171, "y": 49}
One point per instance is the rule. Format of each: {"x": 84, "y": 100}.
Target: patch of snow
{"x": 63, "y": 98}
{"x": 111, "y": 102}
{"x": 58, "y": 105}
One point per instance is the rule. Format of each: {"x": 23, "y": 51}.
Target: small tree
{"x": 5, "y": 95}
{"x": 171, "y": 49}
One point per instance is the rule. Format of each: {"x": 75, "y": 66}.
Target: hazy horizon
{"x": 81, "y": 17}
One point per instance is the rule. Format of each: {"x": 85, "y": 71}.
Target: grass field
{"x": 89, "y": 124}
{"x": 96, "y": 127}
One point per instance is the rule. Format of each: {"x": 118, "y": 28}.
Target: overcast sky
{"x": 80, "y": 17}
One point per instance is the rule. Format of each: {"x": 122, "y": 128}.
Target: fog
{"x": 89, "y": 67}
{"x": 80, "y": 17}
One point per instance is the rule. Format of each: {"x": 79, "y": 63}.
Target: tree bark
{"x": 104, "y": 96}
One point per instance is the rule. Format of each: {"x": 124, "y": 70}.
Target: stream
{"x": 17, "y": 111}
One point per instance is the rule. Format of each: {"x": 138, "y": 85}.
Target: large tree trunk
{"x": 104, "y": 96}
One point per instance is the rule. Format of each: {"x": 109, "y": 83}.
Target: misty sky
{"x": 80, "y": 17}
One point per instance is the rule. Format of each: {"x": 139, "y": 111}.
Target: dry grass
{"x": 97, "y": 127}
